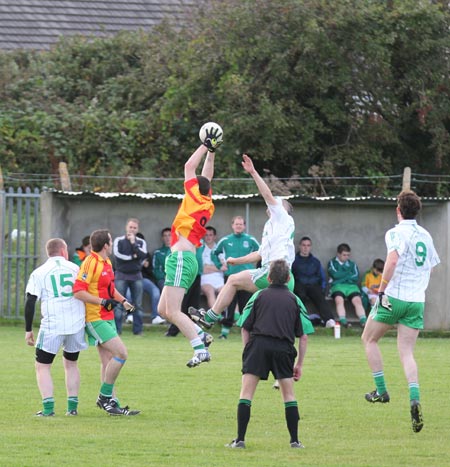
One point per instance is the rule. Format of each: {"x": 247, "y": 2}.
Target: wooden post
{"x": 406, "y": 185}
{"x": 2, "y": 186}
{"x": 64, "y": 177}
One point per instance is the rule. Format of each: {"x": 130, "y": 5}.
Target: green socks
{"x": 106, "y": 389}
{"x": 72, "y": 403}
{"x": 48, "y": 405}
{"x": 414, "y": 392}
{"x": 211, "y": 317}
{"x": 380, "y": 384}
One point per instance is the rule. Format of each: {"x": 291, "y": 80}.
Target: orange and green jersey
{"x": 193, "y": 214}
{"x": 96, "y": 276}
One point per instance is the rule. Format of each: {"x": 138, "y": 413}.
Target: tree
{"x": 348, "y": 88}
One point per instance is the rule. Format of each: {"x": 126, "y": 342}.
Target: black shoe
{"x": 375, "y": 397}
{"x": 223, "y": 337}
{"x": 42, "y": 414}
{"x": 297, "y": 445}
{"x": 416, "y": 416}
{"x": 198, "y": 316}
{"x": 72, "y": 413}
{"x": 347, "y": 325}
{"x": 125, "y": 410}
{"x": 235, "y": 444}
{"x": 108, "y": 405}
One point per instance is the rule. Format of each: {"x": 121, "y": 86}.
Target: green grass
{"x": 189, "y": 414}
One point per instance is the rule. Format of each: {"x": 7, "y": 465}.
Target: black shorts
{"x": 264, "y": 354}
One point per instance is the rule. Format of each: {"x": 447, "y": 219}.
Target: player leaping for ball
{"x": 277, "y": 243}
{"x": 188, "y": 229}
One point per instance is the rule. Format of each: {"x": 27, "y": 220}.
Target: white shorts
{"x": 51, "y": 343}
{"x": 215, "y": 279}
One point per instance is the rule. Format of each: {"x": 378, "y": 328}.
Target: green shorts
{"x": 259, "y": 278}
{"x": 181, "y": 269}
{"x": 100, "y": 331}
{"x": 407, "y": 313}
{"x": 345, "y": 290}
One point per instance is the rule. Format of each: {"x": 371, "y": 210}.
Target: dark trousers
{"x": 192, "y": 298}
{"x": 241, "y": 298}
{"x": 315, "y": 294}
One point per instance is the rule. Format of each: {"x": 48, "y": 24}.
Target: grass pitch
{"x": 189, "y": 414}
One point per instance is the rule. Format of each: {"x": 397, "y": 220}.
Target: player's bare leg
{"x": 373, "y": 332}
{"x": 406, "y": 341}
{"x": 170, "y": 308}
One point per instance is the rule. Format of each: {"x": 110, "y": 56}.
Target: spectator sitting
{"x": 371, "y": 282}
{"x": 211, "y": 280}
{"x": 159, "y": 258}
{"x": 82, "y": 251}
{"x": 310, "y": 281}
{"x": 344, "y": 279}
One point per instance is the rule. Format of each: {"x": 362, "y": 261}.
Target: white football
{"x": 211, "y": 126}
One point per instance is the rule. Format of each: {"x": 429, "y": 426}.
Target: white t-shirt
{"x": 61, "y": 312}
{"x": 417, "y": 256}
{"x": 278, "y": 236}
{"x": 215, "y": 279}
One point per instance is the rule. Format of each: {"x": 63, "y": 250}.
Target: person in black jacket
{"x": 310, "y": 280}
{"x": 129, "y": 253}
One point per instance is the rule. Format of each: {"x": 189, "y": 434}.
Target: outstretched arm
{"x": 247, "y": 164}
{"x": 193, "y": 162}
{"x": 208, "y": 166}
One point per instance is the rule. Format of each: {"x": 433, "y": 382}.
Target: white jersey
{"x": 278, "y": 236}
{"x": 51, "y": 283}
{"x": 417, "y": 257}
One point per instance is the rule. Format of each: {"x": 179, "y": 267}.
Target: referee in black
{"x": 271, "y": 321}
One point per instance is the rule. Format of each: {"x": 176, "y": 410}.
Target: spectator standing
{"x": 62, "y": 324}
{"x": 82, "y": 251}
{"x": 150, "y": 288}
{"x": 159, "y": 258}
{"x": 95, "y": 287}
{"x": 310, "y": 280}
{"x": 211, "y": 279}
{"x": 411, "y": 256}
{"x": 271, "y": 321}
{"x": 235, "y": 245}
{"x": 344, "y": 280}
{"x": 129, "y": 253}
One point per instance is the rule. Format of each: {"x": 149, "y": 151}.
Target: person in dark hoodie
{"x": 129, "y": 253}
{"x": 310, "y": 281}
